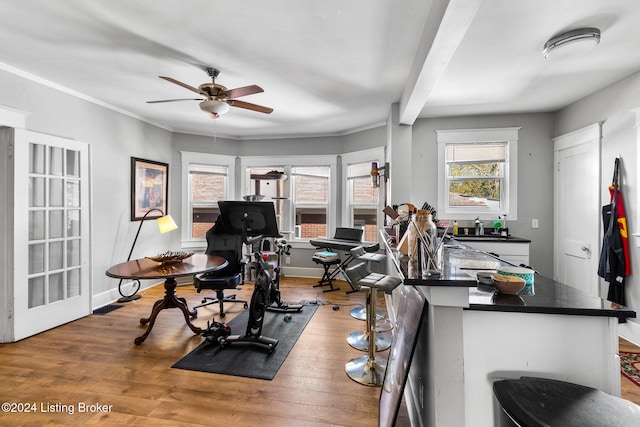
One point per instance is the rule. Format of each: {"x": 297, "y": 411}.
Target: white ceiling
{"x": 327, "y": 67}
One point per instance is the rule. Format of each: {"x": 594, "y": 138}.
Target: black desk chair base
{"x": 219, "y": 285}
{"x": 220, "y": 299}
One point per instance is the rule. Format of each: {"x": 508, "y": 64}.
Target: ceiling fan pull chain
{"x": 215, "y": 132}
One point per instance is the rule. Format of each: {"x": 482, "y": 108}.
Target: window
{"x": 477, "y": 171}
{"x": 207, "y": 179}
{"x": 362, "y": 200}
{"x": 302, "y": 189}
{"x": 310, "y": 200}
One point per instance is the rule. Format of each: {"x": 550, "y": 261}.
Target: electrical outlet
{"x": 287, "y": 260}
{"x": 535, "y": 223}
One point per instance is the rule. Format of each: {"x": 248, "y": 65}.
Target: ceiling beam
{"x": 446, "y": 25}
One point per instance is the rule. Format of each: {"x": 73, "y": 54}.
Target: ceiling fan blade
{"x": 249, "y": 106}
{"x": 184, "y": 85}
{"x": 175, "y": 100}
{"x": 243, "y": 91}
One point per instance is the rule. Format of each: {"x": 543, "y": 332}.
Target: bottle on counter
{"x": 417, "y": 228}
{"x": 431, "y": 255}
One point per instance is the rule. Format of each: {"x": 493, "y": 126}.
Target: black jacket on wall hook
{"x": 614, "y": 263}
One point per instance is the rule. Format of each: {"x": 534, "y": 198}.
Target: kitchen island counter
{"x": 472, "y": 336}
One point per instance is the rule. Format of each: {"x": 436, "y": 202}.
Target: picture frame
{"x": 149, "y": 188}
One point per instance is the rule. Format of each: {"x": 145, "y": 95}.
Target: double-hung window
{"x": 362, "y": 207}
{"x": 478, "y": 173}
{"x": 301, "y": 188}
{"x": 310, "y": 200}
{"x": 207, "y": 179}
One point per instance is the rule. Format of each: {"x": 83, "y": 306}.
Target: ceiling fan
{"x": 218, "y": 98}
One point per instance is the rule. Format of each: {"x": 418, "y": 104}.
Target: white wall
{"x": 535, "y": 174}
{"x": 114, "y": 138}
{"x": 612, "y": 106}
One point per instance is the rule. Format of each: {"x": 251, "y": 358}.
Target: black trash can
{"x": 537, "y": 402}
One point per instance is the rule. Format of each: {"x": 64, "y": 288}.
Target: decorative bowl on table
{"x": 170, "y": 257}
{"x": 510, "y": 285}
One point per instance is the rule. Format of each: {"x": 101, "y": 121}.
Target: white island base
{"x": 460, "y": 353}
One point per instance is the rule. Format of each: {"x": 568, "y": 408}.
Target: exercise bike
{"x": 254, "y": 221}
{"x": 275, "y": 302}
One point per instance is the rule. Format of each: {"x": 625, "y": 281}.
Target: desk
{"x": 145, "y": 268}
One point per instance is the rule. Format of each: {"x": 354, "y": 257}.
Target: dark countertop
{"x": 461, "y": 264}
{"x": 490, "y": 238}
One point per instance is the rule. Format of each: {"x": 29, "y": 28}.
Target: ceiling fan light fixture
{"x": 214, "y": 107}
{"x": 583, "y": 36}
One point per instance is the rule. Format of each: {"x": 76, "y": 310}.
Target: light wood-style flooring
{"x": 94, "y": 361}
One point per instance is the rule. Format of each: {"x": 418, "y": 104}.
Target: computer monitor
{"x": 253, "y": 218}
{"x": 411, "y": 309}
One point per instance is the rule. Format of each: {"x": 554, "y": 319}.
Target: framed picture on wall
{"x": 149, "y": 188}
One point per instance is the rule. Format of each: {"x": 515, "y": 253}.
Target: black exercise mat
{"x": 245, "y": 360}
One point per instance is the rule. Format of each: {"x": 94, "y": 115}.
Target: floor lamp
{"x": 165, "y": 224}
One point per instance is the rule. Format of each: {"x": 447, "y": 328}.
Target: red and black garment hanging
{"x": 615, "y": 263}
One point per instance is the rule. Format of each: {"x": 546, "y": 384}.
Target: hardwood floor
{"x": 94, "y": 361}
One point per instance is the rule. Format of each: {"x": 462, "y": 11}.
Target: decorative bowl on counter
{"x": 485, "y": 278}
{"x": 170, "y": 257}
{"x": 509, "y": 285}
{"x": 524, "y": 273}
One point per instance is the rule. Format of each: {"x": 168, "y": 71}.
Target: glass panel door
{"x": 51, "y": 232}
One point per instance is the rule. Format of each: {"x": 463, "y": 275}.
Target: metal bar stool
{"x": 369, "y": 369}
{"x": 361, "y": 254}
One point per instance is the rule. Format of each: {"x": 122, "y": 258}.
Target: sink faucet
{"x": 479, "y": 227}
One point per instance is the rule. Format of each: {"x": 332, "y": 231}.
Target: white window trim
{"x": 510, "y": 135}
{"x": 188, "y": 158}
{"x": 287, "y": 162}
{"x": 370, "y": 155}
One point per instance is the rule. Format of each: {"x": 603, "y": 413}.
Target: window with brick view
{"x": 310, "y": 200}
{"x": 208, "y": 186}
{"x": 363, "y": 200}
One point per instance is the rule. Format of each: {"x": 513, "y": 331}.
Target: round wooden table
{"x": 145, "y": 268}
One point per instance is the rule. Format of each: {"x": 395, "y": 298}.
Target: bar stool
{"x": 361, "y": 254}
{"x": 369, "y": 370}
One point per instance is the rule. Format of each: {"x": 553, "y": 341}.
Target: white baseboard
{"x": 112, "y": 295}
{"x": 306, "y": 272}
{"x": 630, "y": 331}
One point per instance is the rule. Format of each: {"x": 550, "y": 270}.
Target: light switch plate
{"x": 535, "y": 223}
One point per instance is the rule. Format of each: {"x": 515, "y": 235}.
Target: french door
{"x": 51, "y": 231}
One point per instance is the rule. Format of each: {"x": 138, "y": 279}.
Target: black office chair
{"x": 229, "y": 247}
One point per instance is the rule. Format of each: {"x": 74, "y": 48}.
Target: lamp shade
{"x": 166, "y": 224}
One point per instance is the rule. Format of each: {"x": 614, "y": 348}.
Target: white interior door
{"x": 577, "y": 209}
{"x": 51, "y": 232}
